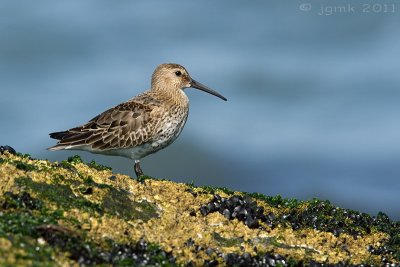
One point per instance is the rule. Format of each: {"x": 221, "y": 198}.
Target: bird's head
{"x": 172, "y": 76}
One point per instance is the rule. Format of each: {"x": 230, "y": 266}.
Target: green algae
{"x": 144, "y": 178}
{"x": 20, "y": 215}
{"x": 59, "y": 194}
{"x": 21, "y": 165}
{"x": 27, "y": 251}
{"x": 69, "y": 163}
{"x": 276, "y": 201}
{"x": 272, "y": 241}
{"x": 25, "y": 166}
{"x": 98, "y": 166}
{"x": 117, "y": 202}
{"x": 384, "y": 224}
{"x": 24, "y": 156}
{"x": 227, "y": 242}
{"x": 208, "y": 189}
{"x": 75, "y": 159}
{"x": 213, "y": 190}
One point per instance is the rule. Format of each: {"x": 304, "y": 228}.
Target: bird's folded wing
{"x": 126, "y": 125}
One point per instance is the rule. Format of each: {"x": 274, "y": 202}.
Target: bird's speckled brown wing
{"x": 127, "y": 125}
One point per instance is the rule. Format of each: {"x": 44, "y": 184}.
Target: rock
{"x": 77, "y": 213}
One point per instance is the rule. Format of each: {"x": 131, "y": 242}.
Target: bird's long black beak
{"x": 202, "y": 87}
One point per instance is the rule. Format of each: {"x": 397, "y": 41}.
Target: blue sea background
{"x": 313, "y": 99}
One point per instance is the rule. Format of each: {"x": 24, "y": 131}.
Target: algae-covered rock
{"x": 72, "y": 213}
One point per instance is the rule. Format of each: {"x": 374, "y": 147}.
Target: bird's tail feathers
{"x": 69, "y": 140}
{"x": 59, "y": 135}
{"x": 57, "y": 147}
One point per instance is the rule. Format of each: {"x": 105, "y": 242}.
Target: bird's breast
{"x": 169, "y": 128}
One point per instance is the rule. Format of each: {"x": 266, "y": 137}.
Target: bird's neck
{"x": 172, "y": 97}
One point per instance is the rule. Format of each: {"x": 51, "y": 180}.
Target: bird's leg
{"x": 138, "y": 170}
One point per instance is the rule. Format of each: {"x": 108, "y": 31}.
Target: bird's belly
{"x": 136, "y": 152}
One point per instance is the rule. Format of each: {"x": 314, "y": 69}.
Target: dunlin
{"x": 140, "y": 126}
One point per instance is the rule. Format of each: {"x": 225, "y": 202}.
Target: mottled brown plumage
{"x": 141, "y": 125}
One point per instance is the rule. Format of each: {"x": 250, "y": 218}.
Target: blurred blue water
{"x": 313, "y": 106}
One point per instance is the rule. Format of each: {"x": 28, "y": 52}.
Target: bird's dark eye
{"x": 178, "y": 73}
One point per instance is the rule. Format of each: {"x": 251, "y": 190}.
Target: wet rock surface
{"x": 77, "y": 213}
